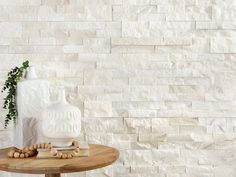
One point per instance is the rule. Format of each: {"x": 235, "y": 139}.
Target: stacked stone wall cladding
{"x": 154, "y": 78}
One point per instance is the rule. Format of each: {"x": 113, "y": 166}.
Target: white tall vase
{"x": 32, "y": 98}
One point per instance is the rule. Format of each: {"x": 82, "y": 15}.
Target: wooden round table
{"x": 99, "y": 156}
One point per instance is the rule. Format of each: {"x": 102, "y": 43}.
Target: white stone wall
{"x": 154, "y": 78}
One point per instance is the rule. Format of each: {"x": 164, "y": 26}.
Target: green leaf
{"x": 10, "y": 86}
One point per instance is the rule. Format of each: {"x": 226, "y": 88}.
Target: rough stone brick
{"x": 223, "y": 45}
{"x": 97, "y": 109}
{"x": 11, "y": 29}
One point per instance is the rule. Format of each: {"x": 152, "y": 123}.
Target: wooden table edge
{"x": 64, "y": 169}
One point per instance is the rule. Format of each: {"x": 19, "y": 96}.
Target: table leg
{"x": 53, "y": 175}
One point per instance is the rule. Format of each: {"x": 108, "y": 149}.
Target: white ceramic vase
{"x": 61, "y": 122}
{"x": 32, "y": 98}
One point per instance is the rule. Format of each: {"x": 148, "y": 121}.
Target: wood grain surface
{"x": 100, "y": 156}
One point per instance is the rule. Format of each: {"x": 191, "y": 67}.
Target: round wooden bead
{"x": 69, "y": 156}
{"x": 31, "y": 148}
{"x": 16, "y": 155}
{"x": 64, "y": 156}
{"x": 25, "y": 149}
{"x": 76, "y": 143}
{"x": 59, "y": 154}
{"x": 74, "y": 153}
{"x": 22, "y": 155}
{"x": 26, "y": 155}
{"x": 49, "y": 146}
{"x": 11, "y": 153}
{"x": 43, "y": 145}
{"x": 77, "y": 150}
{"x": 31, "y": 153}
{"x": 53, "y": 152}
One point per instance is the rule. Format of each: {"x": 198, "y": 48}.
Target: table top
{"x": 99, "y": 156}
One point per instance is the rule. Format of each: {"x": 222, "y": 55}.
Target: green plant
{"x": 10, "y": 86}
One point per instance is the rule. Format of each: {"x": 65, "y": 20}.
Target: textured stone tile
{"x": 162, "y": 125}
{"x": 97, "y": 109}
{"x": 200, "y": 169}
{"x": 138, "y": 157}
{"x": 165, "y": 156}
{"x": 96, "y": 45}
{"x": 136, "y": 41}
{"x": 135, "y": 29}
{"x": 144, "y": 169}
{"x": 113, "y": 125}
{"x": 131, "y": 13}
{"x": 207, "y": 25}
{"x": 97, "y": 77}
{"x": 223, "y": 45}
{"x": 10, "y": 29}
{"x": 172, "y": 169}
{"x": 132, "y": 49}
{"x": 100, "y": 138}
{"x": 151, "y": 137}
{"x": 136, "y": 124}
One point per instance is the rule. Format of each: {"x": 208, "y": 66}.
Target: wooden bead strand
{"x": 61, "y": 155}
{"x": 27, "y": 151}
{"x": 32, "y": 151}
